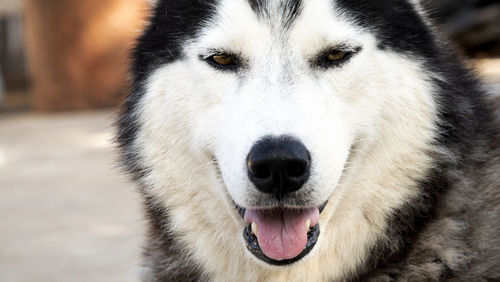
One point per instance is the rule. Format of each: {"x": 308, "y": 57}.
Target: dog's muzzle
{"x": 276, "y": 235}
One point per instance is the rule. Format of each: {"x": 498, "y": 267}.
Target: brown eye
{"x": 336, "y": 56}
{"x": 223, "y": 60}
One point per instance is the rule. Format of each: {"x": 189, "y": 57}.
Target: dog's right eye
{"x": 223, "y": 61}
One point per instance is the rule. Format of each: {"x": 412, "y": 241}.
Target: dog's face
{"x": 287, "y": 113}
{"x": 280, "y": 109}
{"x": 283, "y": 82}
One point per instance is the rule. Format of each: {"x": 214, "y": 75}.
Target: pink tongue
{"x": 282, "y": 233}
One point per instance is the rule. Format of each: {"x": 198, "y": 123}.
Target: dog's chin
{"x": 281, "y": 236}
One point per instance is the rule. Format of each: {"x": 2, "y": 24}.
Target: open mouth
{"x": 281, "y": 236}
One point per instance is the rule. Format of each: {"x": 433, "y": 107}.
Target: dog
{"x": 310, "y": 140}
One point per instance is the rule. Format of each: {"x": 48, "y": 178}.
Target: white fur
{"x": 380, "y": 104}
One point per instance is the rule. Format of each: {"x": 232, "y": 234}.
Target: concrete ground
{"x": 66, "y": 211}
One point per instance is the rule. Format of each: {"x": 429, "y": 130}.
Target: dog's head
{"x": 310, "y": 118}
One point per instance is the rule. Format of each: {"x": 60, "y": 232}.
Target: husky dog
{"x": 310, "y": 140}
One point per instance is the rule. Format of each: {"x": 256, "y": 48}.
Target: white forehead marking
{"x": 236, "y": 28}
{"x": 239, "y": 29}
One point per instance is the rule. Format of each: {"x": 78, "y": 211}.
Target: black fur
{"x": 289, "y": 9}
{"x": 397, "y": 25}
{"x": 258, "y": 6}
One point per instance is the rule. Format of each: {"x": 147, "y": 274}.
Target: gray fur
{"x": 461, "y": 242}
{"x": 164, "y": 257}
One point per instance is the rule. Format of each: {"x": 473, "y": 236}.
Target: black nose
{"x": 279, "y": 165}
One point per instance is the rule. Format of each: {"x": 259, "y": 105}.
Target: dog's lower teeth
{"x": 308, "y": 224}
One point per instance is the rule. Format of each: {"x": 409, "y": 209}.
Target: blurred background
{"x": 66, "y": 211}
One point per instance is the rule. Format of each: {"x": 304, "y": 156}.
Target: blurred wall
{"x": 78, "y": 50}
{"x": 12, "y": 67}
{"x": 11, "y": 51}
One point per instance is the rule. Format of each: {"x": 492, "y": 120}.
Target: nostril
{"x": 295, "y": 169}
{"x": 262, "y": 171}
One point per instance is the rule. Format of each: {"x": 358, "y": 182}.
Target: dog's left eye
{"x": 223, "y": 59}
{"x": 336, "y": 56}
